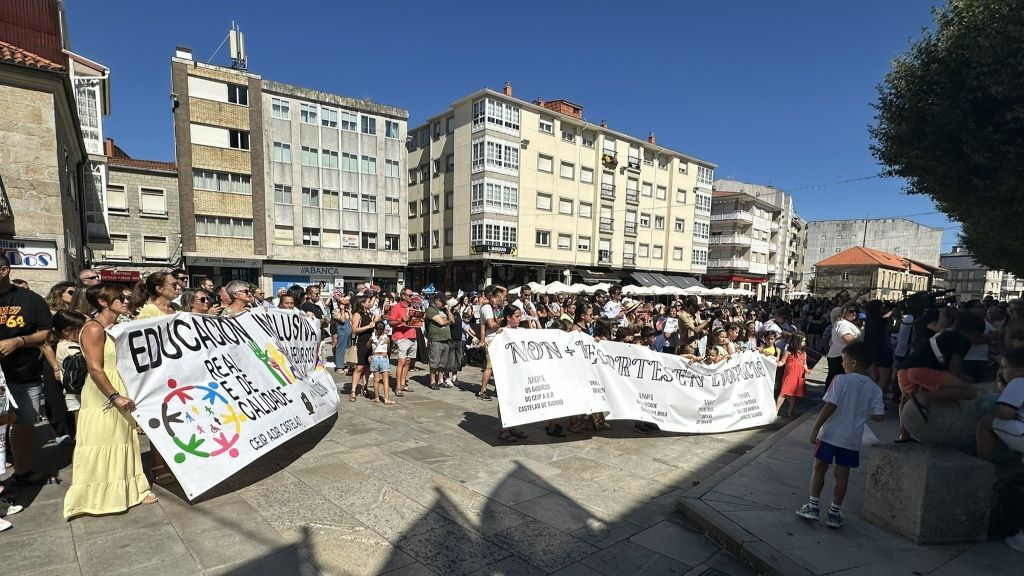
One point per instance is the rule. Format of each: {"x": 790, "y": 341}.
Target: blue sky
{"x": 773, "y": 92}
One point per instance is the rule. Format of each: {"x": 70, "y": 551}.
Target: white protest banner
{"x": 547, "y": 374}
{"x": 214, "y": 394}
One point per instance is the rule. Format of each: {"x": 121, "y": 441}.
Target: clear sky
{"x": 772, "y": 92}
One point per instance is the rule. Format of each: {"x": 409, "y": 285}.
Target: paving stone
{"x": 286, "y": 502}
{"x": 511, "y": 566}
{"x": 603, "y": 534}
{"x": 507, "y": 489}
{"x": 473, "y": 509}
{"x": 136, "y": 519}
{"x": 542, "y": 546}
{"x": 21, "y": 553}
{"x": 227, "y": 532}
{"x": 629, "y": 558}
{"x": 722, "y": 564}
{"x": 672, "y": 540}
{"x": 558, "y": 511}
{"x": 452, "y": 549}
{"x": 348, "y": 550}
{"x": 157, "y": 549}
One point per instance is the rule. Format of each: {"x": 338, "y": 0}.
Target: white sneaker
{"x": 1016, "y": 541}
{"x": 12, "y": 509}
{"x": 4, "y": 525}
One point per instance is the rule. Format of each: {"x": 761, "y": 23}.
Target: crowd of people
{"x": 921, "y": 356}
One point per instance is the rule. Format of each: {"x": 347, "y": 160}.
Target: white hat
{"x": 452, "y": 302}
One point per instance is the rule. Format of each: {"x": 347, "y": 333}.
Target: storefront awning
{"x": 597, "y": 276}
{"x": 643, "y": 279}
{"x": 685, "y": 281}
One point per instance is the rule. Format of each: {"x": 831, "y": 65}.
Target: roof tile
{"x": 11, "y": 54}
{"x": 862, "y": 256}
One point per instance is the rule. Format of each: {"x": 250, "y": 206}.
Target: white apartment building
{"x": 744, "y": 230}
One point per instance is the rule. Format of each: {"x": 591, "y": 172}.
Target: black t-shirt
{"x": 314, "y": 308}
{"x": 949, "y": 343}
{"x": 23, "y": 313}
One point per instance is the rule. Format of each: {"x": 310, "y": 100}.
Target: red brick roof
{"x": 118, "y": 157}
{"x": 11, "y": 54}
{"x": 861, "y": 256}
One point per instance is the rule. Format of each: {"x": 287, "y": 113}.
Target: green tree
{"x": 950, "y": 121}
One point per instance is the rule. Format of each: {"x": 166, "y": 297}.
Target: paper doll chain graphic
{"x": 204, "y": 416}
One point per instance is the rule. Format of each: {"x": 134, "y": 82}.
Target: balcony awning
{"x": 658, "y": 280}
{"x": 598, "y": 276}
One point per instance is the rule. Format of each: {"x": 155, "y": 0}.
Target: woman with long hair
{"x": 154, "y": 294}
{"x": 61, "y": 297}
{"x": 196, "y": 301}
{"x": 512, "y": 317}
{"x": 107, "y": 475}
{"x": 362, "y": 329}
{"x": 341, "y": 316}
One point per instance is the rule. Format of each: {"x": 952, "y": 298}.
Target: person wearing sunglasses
{"x": 154, "y": 295}
{"x": 61, "y": 297}
{"x": 196, "y": 301}
{"x": 241, "y": 295}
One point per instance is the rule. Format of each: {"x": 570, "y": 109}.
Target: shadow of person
{"x": 296, "y": 559}
{"x": 486, "y": 427}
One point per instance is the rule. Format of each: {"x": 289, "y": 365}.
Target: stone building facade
{"x": 143, "y": 207}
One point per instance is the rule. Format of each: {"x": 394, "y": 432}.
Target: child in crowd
{"x": 794, "y": 369}
{"x": 380, "y": 362}
{"x": 766, "y": 343}
{"x": 838, "y": 432}
{"x": 67, "y": 325}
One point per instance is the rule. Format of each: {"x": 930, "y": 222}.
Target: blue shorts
{"x": 380, "y": 364}
{"x": 841, "y": 456}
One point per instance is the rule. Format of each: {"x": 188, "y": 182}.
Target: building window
{"x": 702, "y": 230}
{"x": 677, "y": 253}
{"x": 122, "y": 248}
{"x": 680, "y": 196}
{"x": 349, "y": 162}
{"x": 310, "y": 197}
{"x": 565, "y": 241}
{"x": 223, "y": 226}
{"x": 369, "y": 165}
{"x": 310, "y": 236}
{"x": 391, "y": 242}
{"x": 565, "y": 206}
{"x": 221, "y": 181}
{"x": 437, "y": 167}
{"x": 705, "y": 175}
{"x": 546, "y": 125}
{"x": 330, "y": 159}
{"x": 568, "y": 171}
{"x": 496, "y": 114}
{"x": 391, "y": 129}
{"x": 309, "y": 157}
{"x": 703, "y": 202}
{"x": 449, "y": 125}
{"x": 282, "y": 194}
{"x": 583, "y": 243}
{"x": 682, "y": 166}
{"x": 369, "y": 240}
{"x": 845, "y": 277}
{"x": 369, "y": 204}
{"x": 478, "y": 155}
{"x": 153, "y": 201}
{"x": 449, "y": 200}
{"x": 700, "y": 257}
{"x": 348, "y": 121}
{"x": 657, "y": 252}
{"x": 587, "y": 140}
{"x": 280, "y": 109}
{"x": 329, "y": 199}
{"x": 659, "y": 222}
{"x": 391, "y": 206}
{"x": 435, "y": 239}
{"x": 281, "y": 152}
{"x": 543, "y": 238}
{"x": 369, "y": 125}
{"x": 154, "y": 248}
{"x": 391, "y": 169}
{"x": 568, "y": 134}
{"x": 645, "y": 220}
{"x": 586, "y": 175}
{"x": 661, "y": 193}
{"x": 498, "y": 155}
{"x": 449, "y": 163}
{"x": 544, "y": 202}
{"x": 423, "y": 207}
{"x": 586, "y": 210}
{"x": 412, "y": 175}
{"x": 349, "y": 201}
{"x": 435, "y": 203}
{"x": 646, "y": 189}
{"x": 644, "y": 251}
{"x": 238, "y": 94}
{"x": 238, "y": 139}
{"x": 412, "y": 209}
{"x": 634, "y": 157}
{"x": 307, "y": 113}
{"x": 329, "y": 117}
{"x": 117, "y": 201}
{"x": 545, "y": 163}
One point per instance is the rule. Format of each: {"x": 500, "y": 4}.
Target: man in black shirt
{"x": 24, "y": 324}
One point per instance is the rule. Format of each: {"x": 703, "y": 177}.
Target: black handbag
{"x": 75, "y": 371}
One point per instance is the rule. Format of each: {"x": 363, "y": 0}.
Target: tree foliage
{"x": 950, "y": 121}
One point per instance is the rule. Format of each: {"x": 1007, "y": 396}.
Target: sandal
{"x": 150, "y": 499}
{"x": 352, "y": 398}
{"x": 484, "y": 397}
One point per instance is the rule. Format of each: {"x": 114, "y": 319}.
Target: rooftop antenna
{"x": 236, "y": 46}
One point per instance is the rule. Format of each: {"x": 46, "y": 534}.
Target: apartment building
{"x": 502, "y": 190}
{"x": 786, "y": 235}
{"x": 972, "y": 280}
{"x": 142, "y": 207}
{"x": 900, "y": 236}
{"x": 43, "y": 156}
{"x": 744, "y": 240}
{"x": 284, "y": 185}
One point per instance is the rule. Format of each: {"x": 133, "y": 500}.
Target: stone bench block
{"x": 930, "y": 495}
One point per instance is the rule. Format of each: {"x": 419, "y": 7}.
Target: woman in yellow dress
{"x": 107, "y": 475}
{"x": 155, "y": 295}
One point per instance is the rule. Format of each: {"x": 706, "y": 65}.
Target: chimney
{"x": 539, "y": 101}
{"x": 508, "y": 89}
{"x": 604, "y": 123}
{"x": 651, "y": 138}
{"x": 183, "y": 52}
{"x": 108, "y": 147}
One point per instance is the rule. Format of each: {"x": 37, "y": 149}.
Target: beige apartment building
{"x": 502, "y": 190}
{"x": 285, "y": 185}
{"x": 744, "y": 241}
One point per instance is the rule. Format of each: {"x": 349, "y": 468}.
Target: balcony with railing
{"x": 604, "y": 257}
{"x": 607, "y": 191}
{"x": 606, "y": 225}
{"x": 730, "y": 240}
{"x": 632, "y": 197}
{"x": 631, "y": 228}
{"x": 730, "y": 263}
{"x": 734, "y": 216}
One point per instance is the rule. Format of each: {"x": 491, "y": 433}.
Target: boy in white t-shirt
{"x": 852, "y": 398}
{"x": 1007, "y": 421}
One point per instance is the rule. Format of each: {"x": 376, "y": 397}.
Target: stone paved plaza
{"x": 417, "y": 488}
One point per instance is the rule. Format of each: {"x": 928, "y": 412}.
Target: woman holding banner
{"x": 154, "y": 295}
{"x": 107, "y": 475}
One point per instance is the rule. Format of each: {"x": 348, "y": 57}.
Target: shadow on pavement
{"x": 296, "y": 559}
